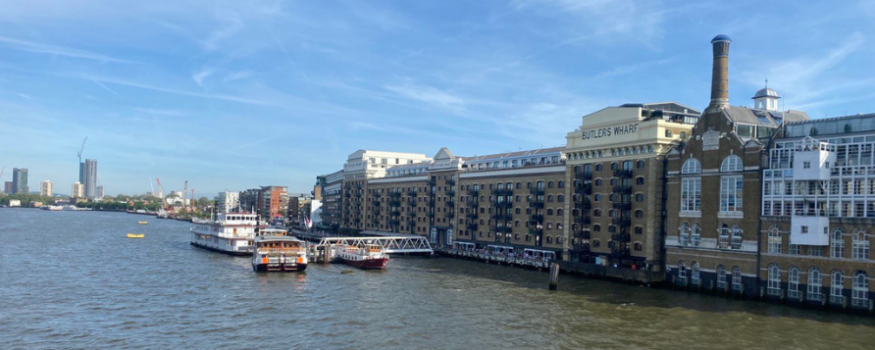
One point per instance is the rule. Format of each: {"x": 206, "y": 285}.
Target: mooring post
{"x": 554, "y": 276}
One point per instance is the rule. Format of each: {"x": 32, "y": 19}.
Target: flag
{"x": 308, "y": 223}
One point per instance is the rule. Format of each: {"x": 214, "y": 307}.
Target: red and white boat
{"x": 370, "y": 256}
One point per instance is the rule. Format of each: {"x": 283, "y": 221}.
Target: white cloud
{"x": 35, "y": 47}
{"x": 429, "y": 95}
{"x": 200, "y": 76}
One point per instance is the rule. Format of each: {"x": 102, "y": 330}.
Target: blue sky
{"x": 236, "y": 94}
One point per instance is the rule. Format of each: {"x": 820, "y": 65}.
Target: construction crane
{"x": 161, "y": 194}
{"x": 81, "y": 149}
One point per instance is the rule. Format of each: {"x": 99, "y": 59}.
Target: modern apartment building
{"x": 272, "y": 201}
{"x": 227, "y": 202}
{"x": 77, "y": 190}
{"x": 46, "y": 188}
{"x": 332, "y": 188}
{"x": 19, "y": 181}
{"x": 90, "y": 178}
{"x": 818, "y": 210}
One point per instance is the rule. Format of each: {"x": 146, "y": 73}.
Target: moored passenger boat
{"x": 275, "y": 250}
{"x": 230, "y": 233}
{"x": 371, "y": 256}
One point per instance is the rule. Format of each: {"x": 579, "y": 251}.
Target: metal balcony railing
{"x": 622, "y": 173}
{"x": 623, "y": 189}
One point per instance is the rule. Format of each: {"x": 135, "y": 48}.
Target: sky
{"x": 231, "y": 95}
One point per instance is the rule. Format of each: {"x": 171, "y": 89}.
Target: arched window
{"x": 639, "y": 213}
{"x": 560, "y": 212}
{"x": 638, "y": 247}
{"x": 721, "y": 277}
{"x": 837, "y": 244}
{"x": 736, "y": 278}
{"x": 696, "y": 236}
{"x": 774, "y": 241}
{"x": 549, "y": 239}
{"x": 550, "y": 211}
{"x": 732, "y": 163}
{"x": 598, "y": 167}
{"x": 694, "y": 274}
{"x": 774, "y": 287}
{"x": 723, "y": 237}
{"x": 691, "y": 166}
{"x": 560, "y": 198}
{"x": 860, "y": 248}
{"x": 597, "y": 198}
{"x": 596, "y": 228}
{"x": 639, "y": 197}
{"x": 793, "y": 282}
{"x": 860, "y": 291}
{"x": 684, "y": 235}
{"x": 597, "y": 212}
{"x": 815, "y": 282}
{"x": 836, "y": 287}
{"x": 596, "y": 243}
{"x": 736, "y": 237}
{"x": 682, "y": 273}
{"x": 598, "y": 182}
{"x": 640, "y": 164}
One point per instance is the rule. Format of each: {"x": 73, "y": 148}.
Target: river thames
{"x": 73, "y": 280}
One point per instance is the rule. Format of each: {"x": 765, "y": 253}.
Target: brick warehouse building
{"x": 718, "y": 203}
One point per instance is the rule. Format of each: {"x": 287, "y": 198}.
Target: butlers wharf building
{"x": 750, "y": 202}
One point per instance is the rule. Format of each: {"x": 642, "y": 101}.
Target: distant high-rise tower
{"x": 81, "y": 172}
{"x": 8, "y": 187}
{"x": 46, "y": 188}
{"x": 720, "y": 73}
{"x": 19, "y": 181}
{"x": 90, "y": 178}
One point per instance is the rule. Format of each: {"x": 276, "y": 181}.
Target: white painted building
{"x": 77, "y": 190}
{"x": 45, "y": 188}
{"x": 227, "y": 201}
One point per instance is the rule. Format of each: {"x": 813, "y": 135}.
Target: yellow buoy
{"x": 136, "y": 235}
{"x": 143, "y": 222}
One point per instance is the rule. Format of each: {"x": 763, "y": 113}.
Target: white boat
{"x": 52, "y": 207}
{"x": 371, "y": 256}
{"x": 275, "y": 250}
{"x": 231, "y": 233}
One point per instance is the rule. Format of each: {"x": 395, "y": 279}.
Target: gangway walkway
{"x": 390, "y": 244}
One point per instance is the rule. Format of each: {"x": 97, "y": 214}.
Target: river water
{"x": 73, "y": 280}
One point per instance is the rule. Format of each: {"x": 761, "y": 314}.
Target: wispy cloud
{"x": 35, "y": 47}
{"x": 243, "y": 74}
{"x": 163, "y": 112}
{"x": 25, "y": 96}
{"x": 201, "y": 75}
{"x": 232, "y": 23}
{"x": 429, "y": 95}
{"x": 121, "y": 82}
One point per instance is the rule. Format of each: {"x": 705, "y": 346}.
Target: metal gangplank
{"x": 390, "y": 244}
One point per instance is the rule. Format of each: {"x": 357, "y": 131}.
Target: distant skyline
{"x": 231, "y": 95}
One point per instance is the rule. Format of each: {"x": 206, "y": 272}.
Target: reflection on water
{"x": 72, "y": 279}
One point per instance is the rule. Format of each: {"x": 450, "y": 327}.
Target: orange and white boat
{"x": 275, "y": 250}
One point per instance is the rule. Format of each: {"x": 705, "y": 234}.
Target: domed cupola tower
{"x": 766, "y": 98}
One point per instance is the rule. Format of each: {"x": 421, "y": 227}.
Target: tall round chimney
{"x": 720, "y": 72}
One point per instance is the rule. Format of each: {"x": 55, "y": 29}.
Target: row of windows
{"x": 727, "y": 237}
{"x": 859, "y": 285}
{"x": 859, "y": 245}
{"x": 730, "y": 163}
